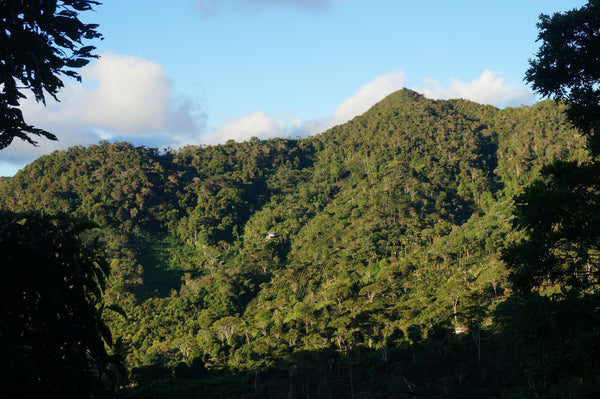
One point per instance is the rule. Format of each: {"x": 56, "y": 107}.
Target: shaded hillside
{"x": 386, "y": 235}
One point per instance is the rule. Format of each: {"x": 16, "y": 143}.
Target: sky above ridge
{"x": 191, "y": 72}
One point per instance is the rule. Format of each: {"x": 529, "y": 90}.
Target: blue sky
{"x": 192, "y": 72}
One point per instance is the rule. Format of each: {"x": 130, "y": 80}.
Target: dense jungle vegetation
{"x": 366, "y": 261}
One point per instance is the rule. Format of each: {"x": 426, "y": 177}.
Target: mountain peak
{"x": 399, "y": 99}
{"x": 405, "y": 95}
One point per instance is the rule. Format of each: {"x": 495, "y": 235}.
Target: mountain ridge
{"x": 387, "y": 230}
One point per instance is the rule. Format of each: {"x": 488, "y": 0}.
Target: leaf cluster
{"x": 39, "y": 43}
{"x": 566, "y": 66}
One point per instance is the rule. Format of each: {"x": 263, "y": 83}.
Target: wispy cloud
{"x": 489, "y": 88}
{"x": 212, "y": 7}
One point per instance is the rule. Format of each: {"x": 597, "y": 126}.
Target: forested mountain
{"x": 341, "y": 265}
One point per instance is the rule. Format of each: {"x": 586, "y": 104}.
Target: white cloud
{"x": 20, "y": 153}
{"x": 363, "y": 98}
{"x": 260, "y": 124}
{"x": 122, "y": 97}
{"x": 368, "y": 95}
{"x": 120, "y": 93}
{"x": 257, "y": 124}
{"x": 130, "y": 98}
{"x": 489, "y": 88}
{"x": 132, "y": 94}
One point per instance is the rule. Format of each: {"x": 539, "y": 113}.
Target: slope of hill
{"x": 364, "y": 245}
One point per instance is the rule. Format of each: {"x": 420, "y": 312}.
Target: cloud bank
{"x": 121, "y": 98}
{"x": 131, "y": 99}
{"x": 490, "y": 88}
{"x": 257, "y": 124}
{"x": 121, "y": 94}
{"x": 260, "y": 124}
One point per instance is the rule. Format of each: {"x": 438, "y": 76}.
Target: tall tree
{"x": 556, "y": 267}
{"x": 560, "y": 213}
{"x": 566, "y": 66}
{"x": 40, "y": 41}
{"x": 559, "y": 210}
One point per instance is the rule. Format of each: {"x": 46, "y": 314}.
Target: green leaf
{"x": 117, "y": 309}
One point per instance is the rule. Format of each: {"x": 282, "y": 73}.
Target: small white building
{"x": 461, "y": 330}
{"x": 270, "y": 235}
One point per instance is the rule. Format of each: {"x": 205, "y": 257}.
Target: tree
{"x": 566, "y": 66}
{"x": 558, "y": 211}
{"x": 556, "y": 267}
{"x": 226, "y": 328}
{"x": 39, "y": 42}
{"x": 53, "y": 339}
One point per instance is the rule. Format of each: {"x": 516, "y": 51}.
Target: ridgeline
{"x": 362, "y": 262}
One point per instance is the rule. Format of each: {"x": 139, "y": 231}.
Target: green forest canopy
{"x": 388, "y": 232}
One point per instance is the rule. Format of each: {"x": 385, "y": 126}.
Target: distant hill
{"x": 387, "y": 232}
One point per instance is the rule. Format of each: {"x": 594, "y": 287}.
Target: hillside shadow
{"x": 159, "y": 280}
{"x": 444, "y": 366}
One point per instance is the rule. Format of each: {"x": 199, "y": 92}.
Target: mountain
{"x": 360, "y": 250}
